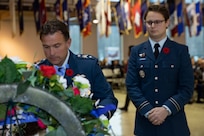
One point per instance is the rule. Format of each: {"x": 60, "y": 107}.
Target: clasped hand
{"x": 157, "y": 115}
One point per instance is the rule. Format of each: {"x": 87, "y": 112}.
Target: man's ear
{"x": 68, "y": 42}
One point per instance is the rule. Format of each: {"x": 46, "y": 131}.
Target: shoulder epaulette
{"x": 85, "y": 56}
{"x": 39, "y": 61}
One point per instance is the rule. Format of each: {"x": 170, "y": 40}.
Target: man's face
{"x": 55, "y": 47}
{"x": 156, "y": 25}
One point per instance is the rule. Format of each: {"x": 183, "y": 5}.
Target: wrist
{"x": 167, "y": 109}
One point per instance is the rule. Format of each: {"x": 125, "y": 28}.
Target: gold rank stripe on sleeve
{"x": 143, "y": 105}
{"x": 173, "y": 101}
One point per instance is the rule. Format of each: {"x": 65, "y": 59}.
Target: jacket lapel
{"x": 148, "y": 50}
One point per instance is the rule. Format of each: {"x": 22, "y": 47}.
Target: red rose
{"x": 76, "y": 91}
{"x": 41, "y": 124}
{"x": 12, "y": 111}
{"x": 47, "y": 71}
{"x": 69, "y": 72}
{"x": 166, "y": 50}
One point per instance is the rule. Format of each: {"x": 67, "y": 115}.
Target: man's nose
{"x": 52, "y": 51}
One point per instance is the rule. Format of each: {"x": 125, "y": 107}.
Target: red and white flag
{"x": 137, "y": 18}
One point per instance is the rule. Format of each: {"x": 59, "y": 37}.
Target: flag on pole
{"x": 79, "y": 8}
{"x": 107, "y": 12}
{"x": 191, "y": 19}
{"x": 103, "y": 15}
{"x": 100, "y": 16}
{"x": 65, "y": 13}
{"x": 143, "y": 10}
{"x": 20, "y": 16}
{"x": 137, "y": 19}
{"x": 87, "y": 18}
{"x": 127, "y": 15}
{"x": 84, "y": 17}
{"x": 199, "y": 18}
{"x": 181, "y": 25}
{"x": 13, "y": 16}
{"x": 36, "y": 9}
{"x": 120, "y": 17}
{"x": 58, "y": 9}
{"x": 43, "y": 14}
{"x": 173, "y": 25}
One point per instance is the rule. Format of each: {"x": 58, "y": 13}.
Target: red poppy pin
{"x": 166, "y": 50}
{"x": 69, "y": 72}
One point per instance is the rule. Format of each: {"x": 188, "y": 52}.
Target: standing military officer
{"x": 159, "y": 85}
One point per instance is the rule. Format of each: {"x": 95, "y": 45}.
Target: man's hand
{"x": 157, "y": 115}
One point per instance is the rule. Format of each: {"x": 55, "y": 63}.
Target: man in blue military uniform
{"x": 159, "y": 80}
{"x": 56, "y": 41}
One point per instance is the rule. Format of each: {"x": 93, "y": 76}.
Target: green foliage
{"x": 22, "y": 87}
{"x": 2, "y": 111}
{"x": 8, "y": 72}
{"x": 81, "y": 105}
{"x": 58, "y": 132}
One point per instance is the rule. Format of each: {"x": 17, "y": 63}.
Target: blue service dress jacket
{"x": 88, "y": 65}
{"x": 167, "y": 80}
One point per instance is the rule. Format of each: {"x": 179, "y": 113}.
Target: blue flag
{"x": 180, "y": 19}
{"x": 20, "y": 16}
{"x": 36, "y": 9}
{"x": 79, "y": 8}
{"x": 121, "y": 18}
{"x": 199, "y": 18}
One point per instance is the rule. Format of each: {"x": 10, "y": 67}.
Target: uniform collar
{"x": 161, "y": 43}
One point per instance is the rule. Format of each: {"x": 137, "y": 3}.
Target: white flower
{"x": 84, "y": 92}
{"x": 82, "y": 84}
{"x": 15, "y": 59}
{"x": 82, "y": 80}
{"x": 63, "y": 81}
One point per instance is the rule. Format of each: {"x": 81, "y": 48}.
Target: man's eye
{"x": 46, "y": 47}
{"x": 57, "y": 46}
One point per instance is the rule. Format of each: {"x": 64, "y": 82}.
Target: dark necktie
{"x": 156, "y": 51}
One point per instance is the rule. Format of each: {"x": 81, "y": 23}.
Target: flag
{"x": 199, "y": 18}
{"x": 181, "y": 26}
{"x": 143, "y": 10}
{"x": 36, "y": 9}
{"x": 137, "y": 19}
{"x": 84, "y": 17}
{"x": 173, "y": 25}
{"x": 20, "y": 16}
{"x": 191, "y": 19}
{"x": 127, "y": 15}
{"x": 65, "y": 13}
{"x": 13, "y": 16}
{"x": 103, "y": 15}
{"x": 87, "y": 18}
{"x": 107, "y": 12}
{"x": 43, "y": 15}
{"x": 100, "y": 16}
{"x": 120, "y": 17}
{"x": 58, "y": 9}
{"x": 79, "y": 8}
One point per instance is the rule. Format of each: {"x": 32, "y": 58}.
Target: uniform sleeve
{"x": 185, "y": 83}
{"x": 102, "y": 90}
